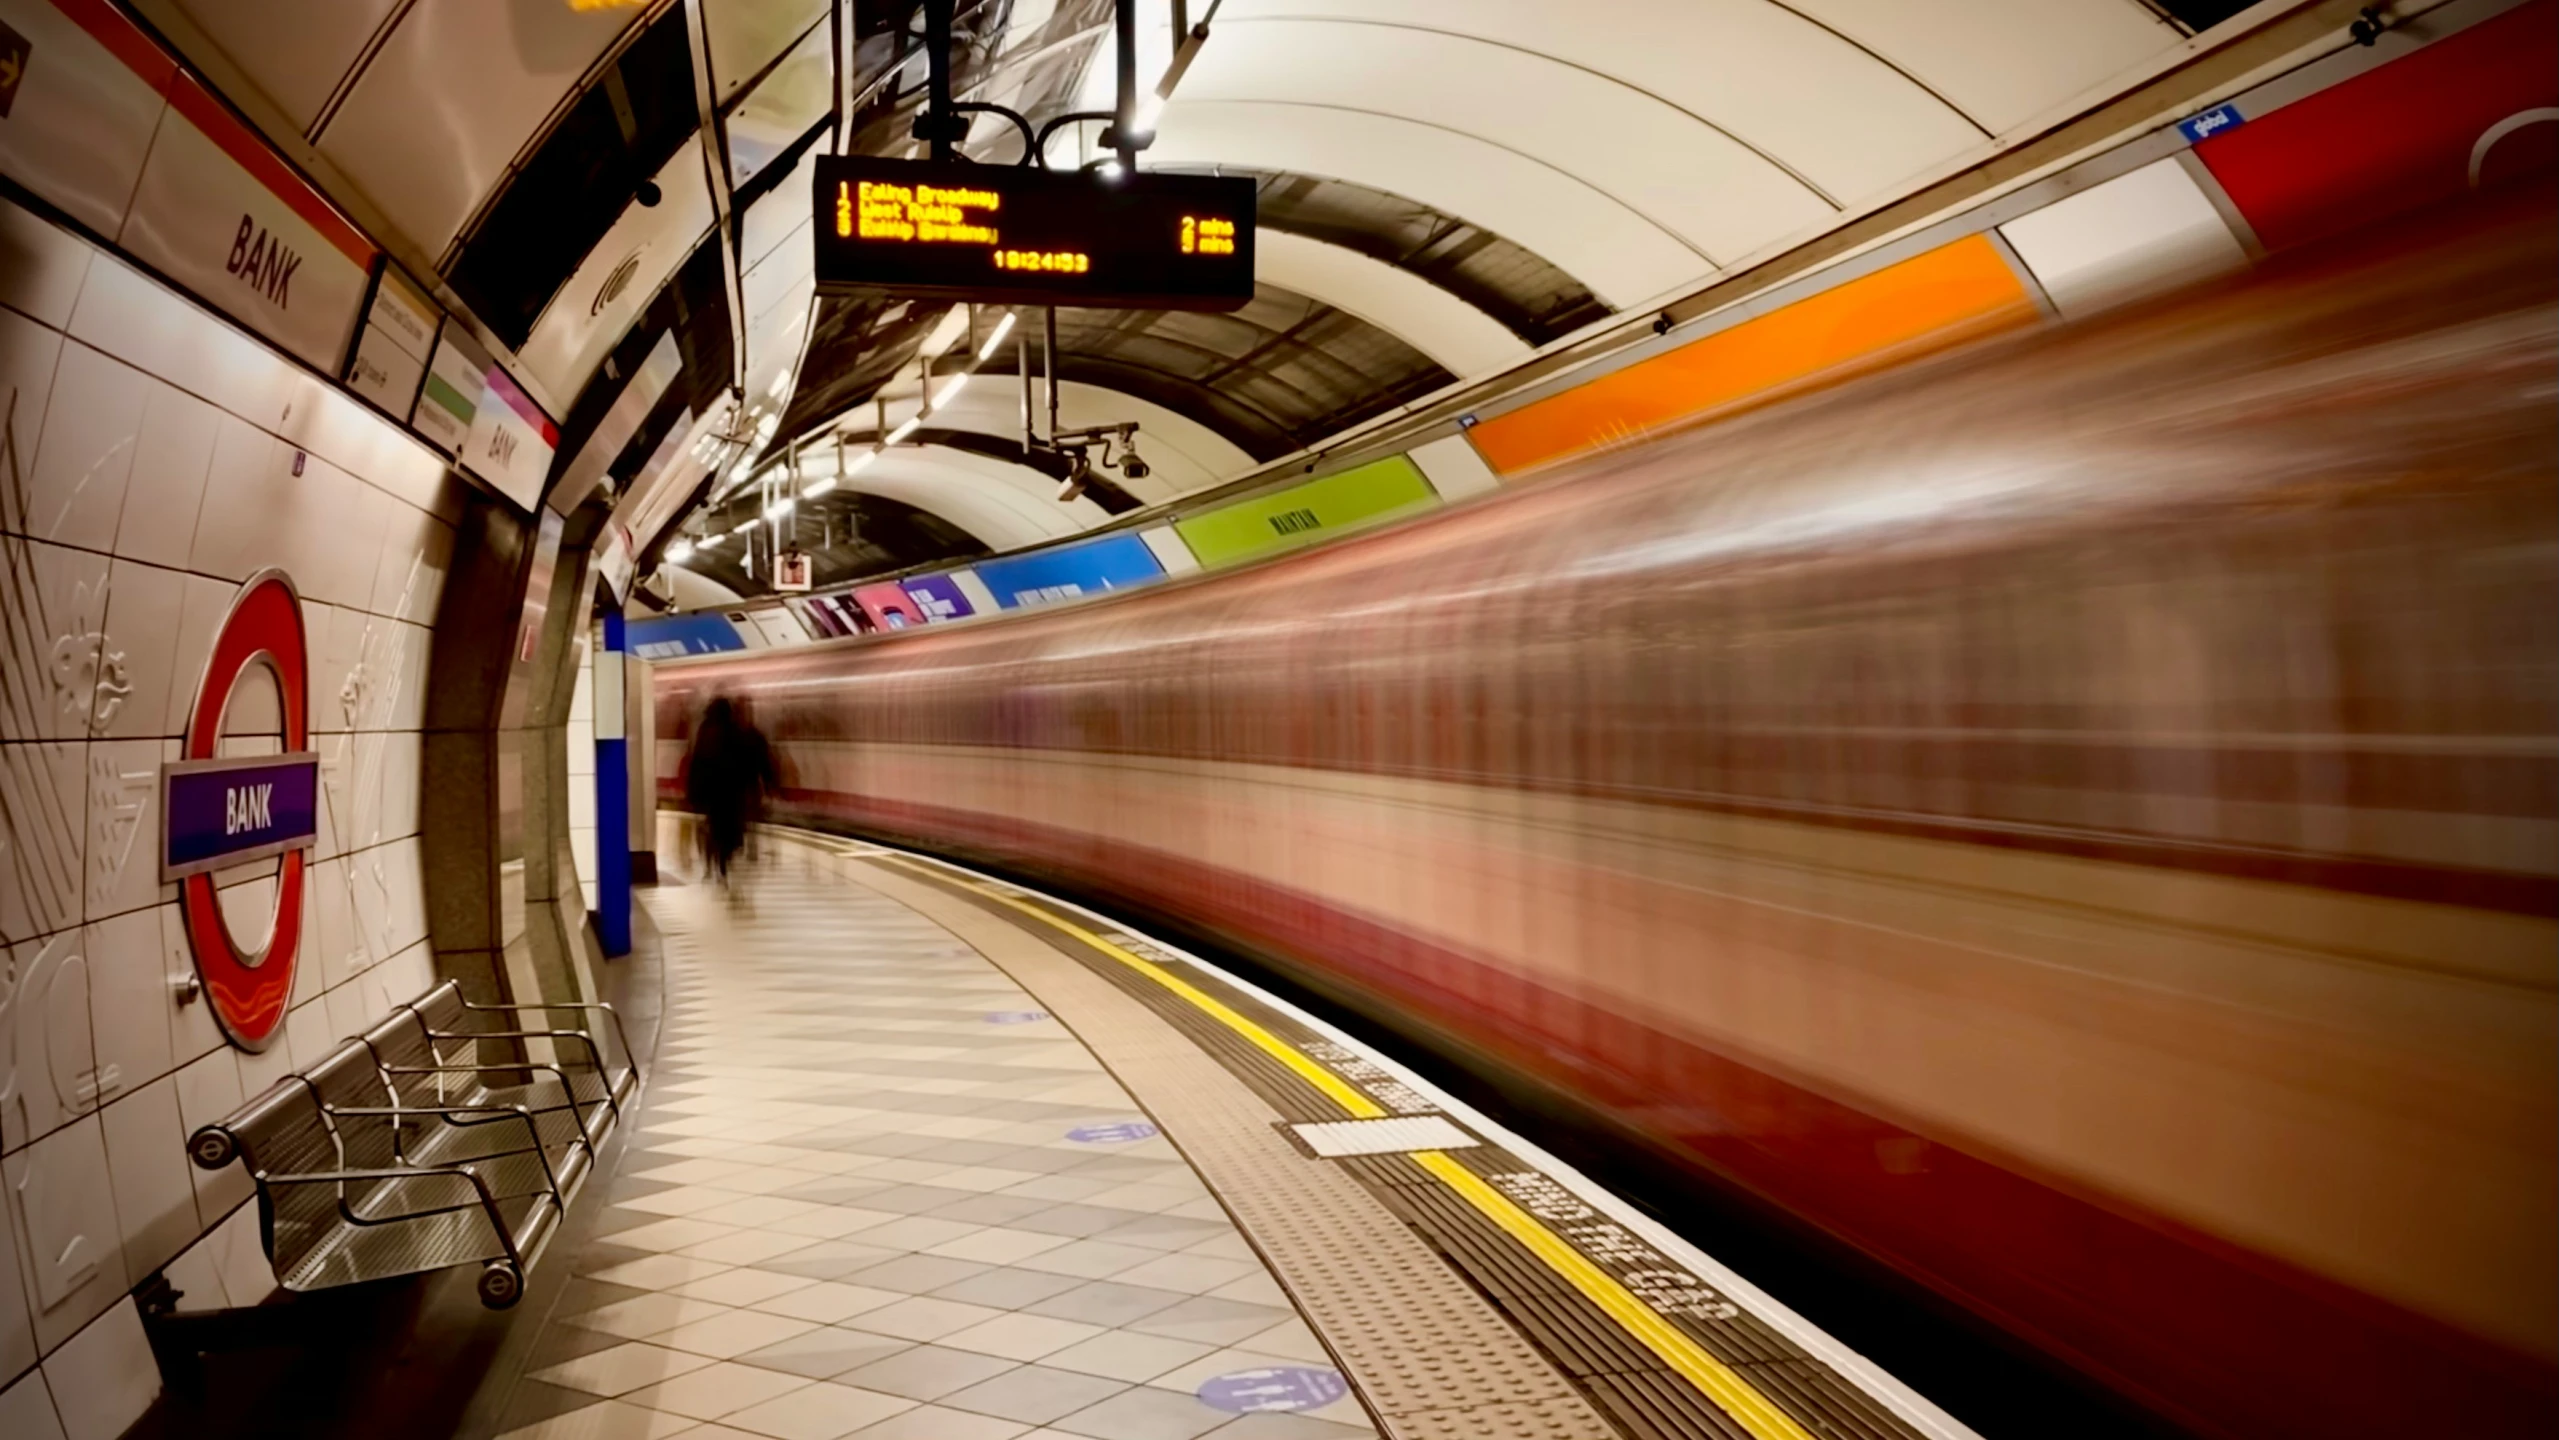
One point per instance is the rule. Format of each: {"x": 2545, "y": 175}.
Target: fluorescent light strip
{"x": 1003, "y": 328}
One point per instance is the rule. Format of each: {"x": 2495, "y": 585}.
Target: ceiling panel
{"x": 794, "y": 95}
{"x": 2003, "y": 61}
{"x": 1844, "y": 119}
{"x": 454, "y": 95}
{"x": 1184, "y": 454}
{"x": 1003, "y": 505}
{"x": 1624, "y": 258}
{"x": 295, "y": 50}
{"x": 747, "y": 35}
{"x": 619, "y": 277}
{"x": 1646, "y": 155}
{"x": 559, "y": 202}
{"x": 1464, "y": 340}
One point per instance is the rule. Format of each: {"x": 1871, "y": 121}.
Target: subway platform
{"x": 926, "y": 1156}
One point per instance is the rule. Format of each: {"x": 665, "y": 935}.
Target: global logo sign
{"x": 217, "y": 812}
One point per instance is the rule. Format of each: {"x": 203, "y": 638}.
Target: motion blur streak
{"x": 2077, "y": 819}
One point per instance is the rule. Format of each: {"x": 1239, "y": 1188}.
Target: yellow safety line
{"x": 1712, "y": 1377}
{"x": 1721, "y": 1384}
{"x": 1342, "y": 1091}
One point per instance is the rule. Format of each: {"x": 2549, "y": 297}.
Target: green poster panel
{"x": 1303, "y": 514}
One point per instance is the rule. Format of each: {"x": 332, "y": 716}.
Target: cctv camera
{"x": 1134, "y": 468}
{"x": 1662, "y": 323}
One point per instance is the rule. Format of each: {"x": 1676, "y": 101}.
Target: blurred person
{"x": 727, "y": 773}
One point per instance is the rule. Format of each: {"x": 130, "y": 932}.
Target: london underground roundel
{"x": 216, "y": 812}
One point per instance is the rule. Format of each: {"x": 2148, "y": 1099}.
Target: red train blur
{"x": 2077, "y": 819}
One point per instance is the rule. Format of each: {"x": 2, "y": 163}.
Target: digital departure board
{"x": 1013, "y": 235}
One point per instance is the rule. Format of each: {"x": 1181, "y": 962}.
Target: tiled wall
{"x": 153, "y": 457}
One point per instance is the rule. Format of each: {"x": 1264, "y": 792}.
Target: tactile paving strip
{"x": 1423, "y": 1349}
{"x": 1648, "y": 1385}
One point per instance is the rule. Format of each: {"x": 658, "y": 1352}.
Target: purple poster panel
{"x": 938, "y": 598}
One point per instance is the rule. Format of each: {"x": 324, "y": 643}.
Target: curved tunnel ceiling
{"x": 1444, "y": 184}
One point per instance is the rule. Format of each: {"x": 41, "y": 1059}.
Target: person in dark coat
{"x": 726, "y": 776}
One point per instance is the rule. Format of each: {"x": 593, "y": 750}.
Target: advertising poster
{"x": 1045, "y": 577}
{"x": 938, "y": 597}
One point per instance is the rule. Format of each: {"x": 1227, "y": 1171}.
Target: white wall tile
{"x": 372, "y": 890}
{"x": 68, "y": 1244}
{"x": 193, "y": 1032}
{"x": 170, "y": 464}
{"x": 197, "y": 1279}
{"x": 129, "y": 1003}
{"x": 29, "y": 354}
{"x": 407, "y": 975}
{"x": 406, "y": 876}
{"x": 403, "y": 758}
{"x": 41, "y": 265}
{"x": 308, "y": 979}
{"x": 43, "y": 847}
{"x": 246, "y": 473}
{"x": 17, "y": 1325}
{"x": 208, "y": 600}
{"x": 124, "y": 826}
{"x": 416, "y": 548}
{"x": 348, "y": 550}
{"x": 147, "y": 1161}
{"x": 145, "y": 615}
{"x": 349, "y": 1009}
{"x": 247, "y": 1275}
{"x": 407, "y": 701}
{"x": 333, "y": 951}
{"x": 105, "y": 1378}
{"x": 76, "y": 492}
{"x": 337, "y": 683}
{"x": 26, "y": 1409}
{"x": 262, "y": 1068}
{"x": 208, "y": 1090}
{"x": 53, "y": 604}
{"x": 44, "y": 1023}
{"x": 144, "y": 323}
{"x": 310, "y": 1034}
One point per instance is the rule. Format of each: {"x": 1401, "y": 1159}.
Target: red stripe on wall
{"x": 252, "y": 154}
{"x": 124, "y": 40}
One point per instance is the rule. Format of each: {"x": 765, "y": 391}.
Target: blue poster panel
{"x": 667, "y": 637}
{"x": 1044, "y": 577}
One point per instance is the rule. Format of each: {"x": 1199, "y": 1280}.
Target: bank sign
{"x": 219, "y": 811}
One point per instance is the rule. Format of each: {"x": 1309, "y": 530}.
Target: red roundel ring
{"x": 250, "y": 991}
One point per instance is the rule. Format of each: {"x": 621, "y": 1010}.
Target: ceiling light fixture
{"x": 820, "y": 486}
{"x": 902, "y": 431}
{"x": 780, "y": 509}
{"x": 680, "y": 551}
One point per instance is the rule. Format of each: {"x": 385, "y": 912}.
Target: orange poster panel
{"x": 1948, "y": 294}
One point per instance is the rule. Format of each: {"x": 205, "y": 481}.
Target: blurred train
{"x": 2076, "y": 819}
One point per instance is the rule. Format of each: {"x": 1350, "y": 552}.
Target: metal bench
{"x": 435, "y": 1139}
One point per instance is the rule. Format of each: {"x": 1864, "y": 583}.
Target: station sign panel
{"x": 1017, "y": 235}
{"x": 220, "y": 811}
